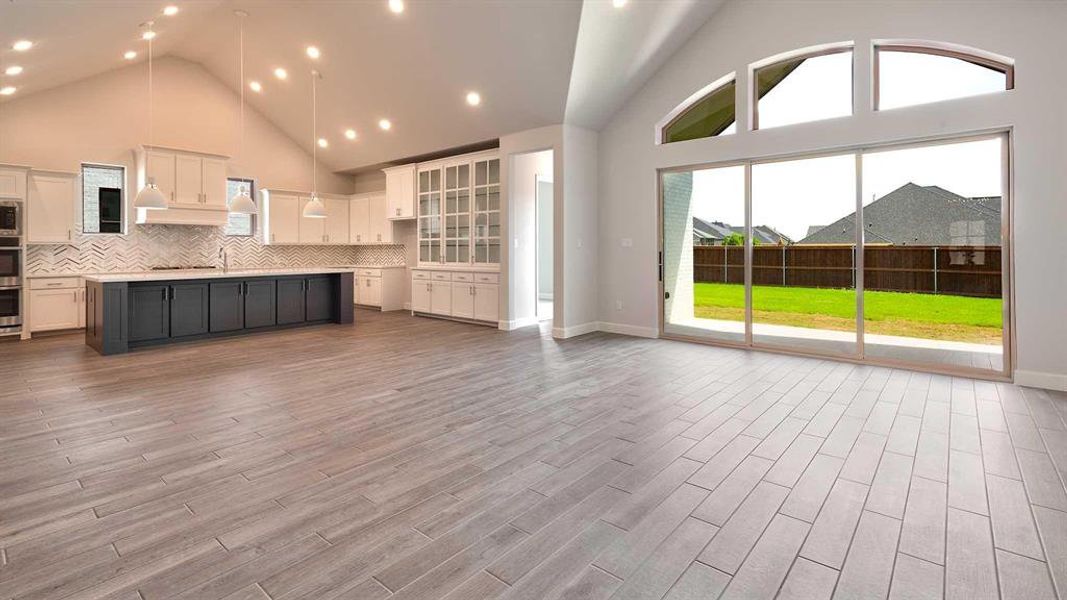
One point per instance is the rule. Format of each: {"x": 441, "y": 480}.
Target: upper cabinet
{"x": 193, "y": 183}
{"x": 13, "y": 182}
{"x": 347, "y": 222}
{"x": 369, "y": 223}
{"x": 50, "y": 211}
{"x": 459, "y": 211}
{"x": 400, "y": 192}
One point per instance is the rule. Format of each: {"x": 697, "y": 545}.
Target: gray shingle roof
{"x": 919, "y": 215}
{"x": 716, "y": 231}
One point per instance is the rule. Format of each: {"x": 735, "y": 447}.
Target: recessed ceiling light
{"x": 256, "y": 86}
{"x": 148, "y": 35}
{"x": 7, "y": 91}
{"x": 13, "y": 70}
{"x": 129, "y": 55}
{"x": 385, "y": 124}
{"x": 22, "y": 45}
{"x": 170, "y": 10}
{"x": 313, "y": 52}
{"x": 323, "y": 143}
{"x": 618, "y": 3}
{"x": 396, "y": 6}
{"x": 474, "y": 98}
{"x": 280, "y": 73}
{"x": 350, "y": 134}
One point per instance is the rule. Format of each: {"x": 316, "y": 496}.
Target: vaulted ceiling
{"x": 413, "y": 68}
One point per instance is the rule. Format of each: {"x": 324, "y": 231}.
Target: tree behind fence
{"x": 956, "y": 270}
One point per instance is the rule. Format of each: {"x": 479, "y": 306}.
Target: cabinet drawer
{"x": 423, "y": 275}
{"x": 487, "y": 277}
{"x": 55, "y": 283}
{"x": 438, "y": 276}
{"x": 370, "y": 272}
{"x": 467, "y": 277}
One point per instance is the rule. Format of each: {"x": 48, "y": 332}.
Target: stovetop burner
{"x": 184, "y": 268}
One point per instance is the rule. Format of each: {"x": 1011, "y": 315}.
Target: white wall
{"x": 522, "y": 204}
{"x": 576, "y": 224}
{"x": 545, "y": 224}
{"x": 103, "y": 118}
{"x": 745, "y": 31}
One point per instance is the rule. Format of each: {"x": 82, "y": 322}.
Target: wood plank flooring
{"x": 414, "y": 458}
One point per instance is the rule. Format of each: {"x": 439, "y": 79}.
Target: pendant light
{"x": 242, "y": 203}
{"x": 314, "y": 209}
{"x": 150, "y": 197}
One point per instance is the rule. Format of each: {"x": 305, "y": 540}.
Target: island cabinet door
{"x": 149, "y": 308}
{"x": 319, "y": 298}
{"x": 189, "y": 309}
{"x": 227, "y": 306}
{"x": 290, "y": 301}
{"x": 259, "y": 303}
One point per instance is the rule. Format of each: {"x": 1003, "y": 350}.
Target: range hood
{"x": 193, "y": 182}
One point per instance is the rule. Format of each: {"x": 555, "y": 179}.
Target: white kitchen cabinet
{"x": 441, "y": 298}
{"x": 420, "y": 295}
{"x": 159, "y": 168}
{"x": 463, "y": 300}
{"x": 51, "y": 207}
{"x": 381, "y": 228}
{"x": 13, "y": 183}
{"x": 461, "y": 294}
{"x": 337, "y": 222}
{"x": 400, "y": 192}
{"x": 372, "y": 291}
{"x": 458, "y": 211}
{"x": 56, "y": 303}
{"x": 193, "y": 183}
{"x": 213, "y": 183}
{"x": 359, "y": 219}
{"x": 282, "y": 223}
{"x": 312, "y": 230}
{"x": 188, "y": 179}
{"x": 486, "y": 302}
{"x": 381, "y": 287}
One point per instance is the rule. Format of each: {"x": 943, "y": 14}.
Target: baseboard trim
{"x": 631, "y": 330}
{"x": 407, "y": 306}
{"x": 518, "y": 323}
{"x": 562, "y": 333}
{"x": 1040, "y": 379}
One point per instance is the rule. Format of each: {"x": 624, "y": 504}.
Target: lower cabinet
{"x": 319, "y": 298}
{"x": 461, "y": 294}
{"x": 149, "y": 307}
{"x": 259, "y": 307}
{"x": 291, "y": 301}
{"x": 486, "y": 302}
{"x": 189, "y": 305}
{"x": 56, "y": 303}
{"x": 227, "y": 306}
{"x": 463, "y": 300}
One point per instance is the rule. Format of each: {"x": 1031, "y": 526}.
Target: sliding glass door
{"x": 704, "y": 253}
{"x": 909, "y": 269}
{"x": 933, "y": 275}
{"x": 804, "y": 290}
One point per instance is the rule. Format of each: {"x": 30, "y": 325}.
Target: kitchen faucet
{"x": 225, "y": 259}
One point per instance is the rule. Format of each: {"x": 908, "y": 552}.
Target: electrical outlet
{"x": 618, "y": 305}
{"x": 627, "y": 242}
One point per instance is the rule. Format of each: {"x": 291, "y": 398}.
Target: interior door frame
{"x": 1006, "y": 134}
{"x": 538, "y": 180}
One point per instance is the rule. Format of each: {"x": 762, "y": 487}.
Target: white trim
{"x": 1040, "y": 379}
{"x": 631, "y": 330}
{"x": 518, "y": 323}
{"x": 562, "y": 333}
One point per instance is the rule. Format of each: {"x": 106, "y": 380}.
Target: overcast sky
{"x": 791, "y": 196}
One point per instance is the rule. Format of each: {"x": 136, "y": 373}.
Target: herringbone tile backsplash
{"x": 148, "y": 246}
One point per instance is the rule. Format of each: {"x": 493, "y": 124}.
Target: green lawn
{"x": 893, "y": 313}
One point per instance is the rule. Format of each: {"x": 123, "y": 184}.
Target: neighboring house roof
{"x": 716, "y": 231}
{"x": 919, "y": 215}
{"x": 813, "y": 228}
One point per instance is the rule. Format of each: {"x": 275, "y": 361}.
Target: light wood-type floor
{"x": 413, "y": 458}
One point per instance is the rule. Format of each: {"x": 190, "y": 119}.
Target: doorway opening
{"x": 532, "y": 217}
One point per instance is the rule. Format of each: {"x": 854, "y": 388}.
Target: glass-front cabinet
{"x": 459, "y": 211}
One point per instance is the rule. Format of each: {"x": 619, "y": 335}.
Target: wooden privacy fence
{"x": 956, "y": 270}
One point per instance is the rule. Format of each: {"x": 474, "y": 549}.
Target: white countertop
{"x": 176, "y": 274}
{"x": 461, "y": 268}
{"x": 268, "y": 271}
